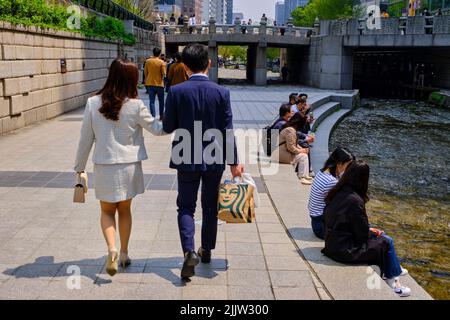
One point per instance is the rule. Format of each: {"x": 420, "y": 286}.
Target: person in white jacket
{"x": 114, "y": 120}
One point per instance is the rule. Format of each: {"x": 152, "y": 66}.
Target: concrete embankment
{"x": 290, "y": 198}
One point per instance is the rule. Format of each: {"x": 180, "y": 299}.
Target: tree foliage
{"x": 324, "y": 10}
{"x": 141, "y": 8}
{"x": 235, "y": 53}
{"x": 273, "y": 53}
{"x": 40, "y": 13}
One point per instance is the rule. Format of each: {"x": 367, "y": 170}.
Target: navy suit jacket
{"x": 200, "y": 100}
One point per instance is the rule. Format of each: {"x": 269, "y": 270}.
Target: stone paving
{"x": 43, "y": 234}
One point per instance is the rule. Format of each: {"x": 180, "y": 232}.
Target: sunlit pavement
{"x": 46, "y": 240}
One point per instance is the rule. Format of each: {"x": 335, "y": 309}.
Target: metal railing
{"x": 109, "y": 8}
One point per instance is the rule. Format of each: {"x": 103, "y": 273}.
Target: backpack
{"x": 268, "y": 145}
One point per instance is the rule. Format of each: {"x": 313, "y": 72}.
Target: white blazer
{"x": 116, "y": 142}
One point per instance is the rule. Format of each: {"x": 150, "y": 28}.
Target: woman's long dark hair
{"x": 339, "y": 155}
{"x": 297, "y": 122}
{"x": 121, "y": 84}
{"x": 357, "y": 177}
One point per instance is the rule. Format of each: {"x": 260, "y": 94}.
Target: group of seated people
{"x": 295, "y": 139}
{"x": 338, "y": 197}
{"x": 337, "y": 207}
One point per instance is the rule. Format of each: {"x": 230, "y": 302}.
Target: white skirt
{"x": 118, "y": 182}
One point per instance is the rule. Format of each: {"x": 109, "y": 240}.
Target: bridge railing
{"x": 401, "y": 26}
{"x": 237, "y": 28}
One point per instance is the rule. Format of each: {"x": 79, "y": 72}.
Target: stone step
{"x": 320, "y": 149}
{"x": 319, "y": 101}
{"x": 323, "y": 111}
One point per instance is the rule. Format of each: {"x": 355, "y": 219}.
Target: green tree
{"x": 324, "y": 10}
{"x": 237, "y": 53}
{"x": 273, "y": 53}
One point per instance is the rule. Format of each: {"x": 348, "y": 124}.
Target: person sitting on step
{"x": 324, "y": 181}
{"x": 348, "y": 235}
{"x": 290, "y": 152}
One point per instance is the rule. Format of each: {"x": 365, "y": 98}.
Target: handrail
{"x": 109, "y": 8}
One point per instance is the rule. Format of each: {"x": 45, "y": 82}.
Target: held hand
{"x": 237, "y": 170}
{"x": 305, "y": 150}
{"x": 377, "y": 232}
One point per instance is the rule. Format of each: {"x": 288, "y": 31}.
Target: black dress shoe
{"x": 204, "y": 255}
{"x": 190, "y": 261}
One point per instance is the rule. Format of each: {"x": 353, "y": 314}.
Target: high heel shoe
{"x": 112, "y": 264}
{"x": 125, "y": 261}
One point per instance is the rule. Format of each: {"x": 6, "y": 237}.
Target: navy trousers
{"x": 188, "y": 186}
{"x": 153, "y": 92}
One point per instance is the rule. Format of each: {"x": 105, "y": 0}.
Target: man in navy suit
{"x": 199, "y": 112}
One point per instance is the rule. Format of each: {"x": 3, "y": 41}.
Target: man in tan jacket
{"x": 177, "y": 72}
{"x": 155, "y": 72}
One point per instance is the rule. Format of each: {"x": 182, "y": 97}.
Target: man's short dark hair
{"x": 285, "y": 109}
{"x": 293, "y": 96}
{"x": 177, "y": 56}
{"x": 156, "y": 52}
{"x": 196, "y": 57}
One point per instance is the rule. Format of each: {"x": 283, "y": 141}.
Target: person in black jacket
{"x": 348, "y": 236}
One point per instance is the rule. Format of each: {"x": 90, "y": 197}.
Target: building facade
{"x": 291, "y": 5}
{"x": 209, "y": 9}
{"x": 230, "y": 7}
{"x": 236, "y": 15}
{"x": 279, "y": 13}
{"x": 221, "y": 13}
{"x": 192, "y": 7}
{"x": 165, "y": 8}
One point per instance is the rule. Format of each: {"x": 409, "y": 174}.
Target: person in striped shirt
{"x": 324, "y": 181}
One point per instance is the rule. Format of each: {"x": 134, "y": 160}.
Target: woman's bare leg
{"x": 125, "y": 224}
{"x": 108, "y": 223}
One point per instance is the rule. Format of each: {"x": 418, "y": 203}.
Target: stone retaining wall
{"x": 32, "y": 86}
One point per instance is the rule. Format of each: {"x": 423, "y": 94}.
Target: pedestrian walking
{"x": 114, "y": 119}
{"x": 199, "y": 102}
{"x": 155, "y": 72}
{"x": 177, "y": 72}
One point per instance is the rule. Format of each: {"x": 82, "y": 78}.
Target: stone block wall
{"x": 326, "y": 64}
{"x": 32, "y": 86}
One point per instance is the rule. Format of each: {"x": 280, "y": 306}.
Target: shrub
{"x": 39, "y": 13}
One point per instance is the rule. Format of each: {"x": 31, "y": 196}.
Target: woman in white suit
{"x": 114, "y": 120}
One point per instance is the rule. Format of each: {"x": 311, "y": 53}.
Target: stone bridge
{"x": 257, "y": 37}
{"x": 322, "y": 56}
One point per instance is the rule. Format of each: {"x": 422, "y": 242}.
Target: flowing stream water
{"x": 407, "y": 145}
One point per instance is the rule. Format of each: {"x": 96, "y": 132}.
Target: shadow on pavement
{"x": 303, "y": 234}
{"x": 45, "y": 267}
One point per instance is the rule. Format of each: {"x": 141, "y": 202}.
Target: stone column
{"x": 263, "y": 26}
{"x": 213, "y": 55}
{"x": 212, "y": 25}
{"x": 237, "y": 28}
{"x": 290, "y": 27}
{"x": 158, "y": 23}
{"x": 317, "y": 26}
{"x": 251, "y": 63}
{"x": 186, "y": 24}
{"x": 261, "y": 64}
